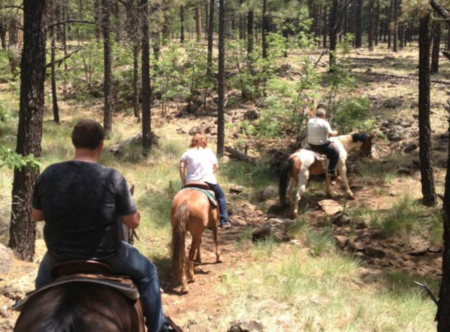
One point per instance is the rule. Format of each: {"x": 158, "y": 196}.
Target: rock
{"x": 198, "y": 328}
{"x": 261, "y": 233}
{"x": 204, "y": 128}
{"x": 396, "y": 134}
{"x": 411, "y": 147}
{"x": 120, "y": 148}
{"x": 235, "y": 189}
{"x": 445, "y": 136}
{"x": 239, "y": 222}
{"x": 393, "y": 103}
{"x": 269, "y": 192}
{"x": 341, "y": 219}
{"x": 252, "y": 115}
{"x": 372, "y": 251}
{"x": 6, "y": 262}
{"x": 341, "y": 241}
{"x": 331, "y": 207}
{"x": 356, "y": 246}
{"x": 419, "y": 249}
{"x": 246, "y": 326}
{"x": 360, "y": 224}
{"x": 225, "y": 160}
{"x": 370, "y": 275}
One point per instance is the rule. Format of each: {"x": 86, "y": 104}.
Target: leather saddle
{"x": 91, "y": 272}
{"x": 202, "y": 186}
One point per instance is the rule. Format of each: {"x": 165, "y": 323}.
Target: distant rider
{"x": 80, "y": 201}
{"x": 199, "y": 163}
{"x": 319, "y": 131}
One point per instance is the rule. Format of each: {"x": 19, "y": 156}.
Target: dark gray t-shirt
{"x": 81, "y": 203}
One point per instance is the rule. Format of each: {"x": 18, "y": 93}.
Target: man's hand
{"x": 334, "y": 133}
{"x": 132, "y": 220}
{"x": 37, "y": 215}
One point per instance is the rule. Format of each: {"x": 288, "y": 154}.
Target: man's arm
{"x": 215, "y": 168}
{"x": 37, "y": 215}
{"x": 182, "y": 169}
{"x": 132, "y": 220}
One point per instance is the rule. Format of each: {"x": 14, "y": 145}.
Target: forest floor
{"x": 354, "y": 272}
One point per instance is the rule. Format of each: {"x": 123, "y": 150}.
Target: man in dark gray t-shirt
{"x": 81, "y": 201}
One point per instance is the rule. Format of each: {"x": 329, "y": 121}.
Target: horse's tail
{"x": 284, "y": 180}
{"x": 181, "y": 217}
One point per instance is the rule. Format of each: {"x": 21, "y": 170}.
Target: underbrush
{"x": 293, "y": 290}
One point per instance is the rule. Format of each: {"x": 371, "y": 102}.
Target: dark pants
{"x": 129, "y": 261}
{"x": 220, "y": 196}
{"x": 332, "y": 154}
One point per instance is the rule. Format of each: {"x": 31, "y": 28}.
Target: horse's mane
{"x": 360, "y": 137}
{"x": 67, "y": 316}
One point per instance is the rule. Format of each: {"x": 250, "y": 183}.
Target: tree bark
{"x": 210, "y": 37}
{"x": 137, "y": 114}
{"x": 146, "y": 89}
{"x": 198, "y": 23}
{"x": 371, "y": 24}
{"x": 443, "y": 313}
{"x": 3, "y": 30}
{"x": 221, "y": 82}
{"x": 395, "y": 27}
{"x": 31, "y": 110}
{"x": 107, "y": 79}
{"x": 436, "y": 47}
{"x": 426, "y": 169}
{"x": 325, "y": 28}
{"x": 181, "y": 24}
{"x": 250, "y": 33}
{"x": 389, "y": 26}
{"x": 265, "y": 29}
{"x": 53, "y": 70}
{"x": 333, "y": 34}
{"x": 358, "y": 23}
{"x": 377, "y": 24}
{"x": 206, "y": 21}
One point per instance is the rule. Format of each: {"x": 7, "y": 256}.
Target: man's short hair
{"x": 321, "y": 113}
{"x": 87, "y": 134}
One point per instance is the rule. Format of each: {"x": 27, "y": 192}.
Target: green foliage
{"x": 352, "y": 113}
{"x": 11, "y": 159}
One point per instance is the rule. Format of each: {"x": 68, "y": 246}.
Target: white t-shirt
{"x": 200, "y": 165}
{"x": 318, "y": 131}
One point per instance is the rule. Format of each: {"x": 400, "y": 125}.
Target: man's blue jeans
{"x": 220, "y": 196}
{"x": 130, "y": 262}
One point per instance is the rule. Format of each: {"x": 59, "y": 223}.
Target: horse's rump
{"x": 79, "y": 307}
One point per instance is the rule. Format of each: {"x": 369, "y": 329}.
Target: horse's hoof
{"x": 191, "y": 281}
{"x": 351, "y": 196}
{"x": 218, "y": 261}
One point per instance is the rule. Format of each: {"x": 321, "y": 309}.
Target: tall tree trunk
{"x": 250, "y": 33}
{"x": 31, "y": 110}
{"x": 3, "y": 30}
{"x": 64, "y": 34}
{"x": 146, "y": 89}
{"x": 107, "y": 79}
{"x": 53, "y": 69}
{"x": 426, "y": 169}
{"x": 325, "y": 27}
{"x": 181, "y": 24}
{"x": 371, "y": 24}
{"x": 443, "y": 313}
{"x": 377, "y": 24}
{"x": 221, "y": 82}
{"x": 241, "y": 22}
{"x": 210, "y": 36}
{"x": 137, "y": 115}
{"x": 333, "y": 34}
{"x": 117, "y": 26}
{"x": 389, "y": 25}
{"x": 448, "y": 38}
{"x": 436, "y": 47}
{"x": 395, "y": 27}
{"x": 97, "y": 18}
{"x": 265, "y": 29}
{"x": 206, "y": 21}
{"x": 198, "y": 23}
{"x": 358, "y": 23}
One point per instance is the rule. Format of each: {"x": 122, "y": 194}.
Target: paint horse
{"x": 191, "y": 212}
{"x": 304, "y": 163}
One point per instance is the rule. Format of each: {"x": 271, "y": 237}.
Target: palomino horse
{"x": 79, "y": 307}
{"x": 191, "y": 212}
{"x": 305, "y": 162}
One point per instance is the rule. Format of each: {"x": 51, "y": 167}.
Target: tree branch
{"x": 59, "y": 61}
{"x": 52, "y": 25}
{"x": 444, "y": 13}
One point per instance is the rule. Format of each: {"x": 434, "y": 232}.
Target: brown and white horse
{"x": 304, "y": 163}
{"x": 191, "y": 212}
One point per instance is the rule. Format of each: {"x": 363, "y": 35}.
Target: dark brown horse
{"x": 191, "y": 212}
{"x": 79, "y": 307}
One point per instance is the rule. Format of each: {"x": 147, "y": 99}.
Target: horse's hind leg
{"x": 343, "y": 173}
{"x": 190, "y": 263}
{"x": 198, "y": 258}
{"x": 216, "y": 243}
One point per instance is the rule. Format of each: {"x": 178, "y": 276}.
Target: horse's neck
{"x": 346, "y": 142}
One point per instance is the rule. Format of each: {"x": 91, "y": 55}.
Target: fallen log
{"x": 239, "y": 155}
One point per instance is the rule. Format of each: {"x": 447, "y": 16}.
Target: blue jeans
{"x": 220, "y": 196}
{"x": 130, "y": 262}
{"x": 332, "y": 154}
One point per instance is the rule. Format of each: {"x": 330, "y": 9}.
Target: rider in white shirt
{"x": 319, "y": 131}
{"x": 200, "y": 164}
